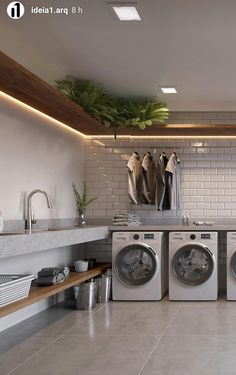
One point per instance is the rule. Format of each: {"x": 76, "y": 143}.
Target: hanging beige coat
{"x": 162, "y": 198}
{"x": 173, "y": 182}
{"x": 148, "y": 179}
{"x": 134, "y": 178}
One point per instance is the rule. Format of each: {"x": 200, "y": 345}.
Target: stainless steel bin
{"x": 104, "y": 287}
{"x": 85, "y": 295}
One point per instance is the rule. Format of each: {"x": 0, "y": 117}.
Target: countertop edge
{"x": 173, "y": 228}
{"x": 20, "y": 244}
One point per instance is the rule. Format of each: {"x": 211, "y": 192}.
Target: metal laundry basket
{"x": 104, "y": 287}
{"x": 85, "y": 295}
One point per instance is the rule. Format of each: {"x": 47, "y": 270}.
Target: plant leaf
{"x": 81, "y": 199}
{"x": 110, "y": 110}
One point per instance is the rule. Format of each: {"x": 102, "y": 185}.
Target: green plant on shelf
{"x": 141, "y": 114}
{"x": 112, "y": 111}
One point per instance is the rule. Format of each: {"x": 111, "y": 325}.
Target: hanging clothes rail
{"x": 150, "y": 183}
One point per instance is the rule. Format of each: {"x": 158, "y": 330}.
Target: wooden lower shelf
{"x": 39, "y": 293}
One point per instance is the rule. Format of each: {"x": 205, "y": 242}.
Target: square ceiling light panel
{"x": 126, "y": 12}
{"x": 169, "y": 90}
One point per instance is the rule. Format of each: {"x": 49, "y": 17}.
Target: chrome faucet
{"x": 29, "y": 220}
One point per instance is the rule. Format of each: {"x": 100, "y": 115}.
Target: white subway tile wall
{"x": 101, "y": 250}
{"x": 208, "y": 177}
{"x": 208, "y": 184}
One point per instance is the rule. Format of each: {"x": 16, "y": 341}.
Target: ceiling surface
{"x": 187, "y": 44}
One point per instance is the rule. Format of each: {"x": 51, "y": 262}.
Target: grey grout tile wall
{"x": 208, "y": 174}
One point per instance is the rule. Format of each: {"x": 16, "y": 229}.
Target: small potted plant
{"x": 81, "y": 202}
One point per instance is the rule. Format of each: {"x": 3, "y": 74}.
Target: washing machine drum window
{"x": 193, "y": 264}
{"x": 136, "y": 264}
{"x": 233, "y": 264}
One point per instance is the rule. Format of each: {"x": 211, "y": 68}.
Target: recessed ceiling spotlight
{"x": 126, "y": 12}
{"x": 169, "y": 90}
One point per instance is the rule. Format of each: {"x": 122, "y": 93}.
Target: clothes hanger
{"x": 164, "y": 156}
{"x": 178, "y": 161}
{"x": 148, "y": 153}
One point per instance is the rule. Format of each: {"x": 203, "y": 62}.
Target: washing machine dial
{"x": 136, "y": 237}
{"x": 193, "y": 236}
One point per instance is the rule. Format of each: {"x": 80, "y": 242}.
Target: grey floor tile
{"x": 139, "y": 319}
{"x": 183, "y": 372}
{"x": 21, "y": 351}
{"x": 123, "y": 363}
{"x": 193, "y": 355}
{"x": 220, "y": 303}
{"x": 161, "y": 338}
{"x": 157, "y": 311}
{"x": 53, "y": 321}
{"x": 28, "y": 337}
{"x": 145, "y": 327}
{"x": 190, "y": 320}
{"x": 87, "y": 355}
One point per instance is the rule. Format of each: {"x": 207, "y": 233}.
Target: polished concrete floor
{"x": 146, "y": 338}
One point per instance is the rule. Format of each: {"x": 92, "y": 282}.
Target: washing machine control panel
{"x": 142, "y": 236}
{"x": 149, "y": 237}
{"x": 205, "y": 236}
{"x": 146, "y": 236}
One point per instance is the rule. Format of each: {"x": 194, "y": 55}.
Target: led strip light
{"x": 78, "y": 133}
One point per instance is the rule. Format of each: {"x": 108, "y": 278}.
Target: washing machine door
{"x": 136, "y": 264}
{"x": 193, "y": 264}
{"x": 233, "y": 264}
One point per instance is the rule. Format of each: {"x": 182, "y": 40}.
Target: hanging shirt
{"x": 162, "y": 196}
{"x": 134, "y": 178}
{"x": 173, "y": 182}
{"x": 148, "y": 179}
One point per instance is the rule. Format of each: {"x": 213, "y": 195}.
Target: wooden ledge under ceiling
{"x": 184, "y": 130}
{"x": 25, "y": 86}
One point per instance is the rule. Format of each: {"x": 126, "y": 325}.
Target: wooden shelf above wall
{"x": 23, "y": 85}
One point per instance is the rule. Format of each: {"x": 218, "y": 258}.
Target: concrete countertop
{"x": 25, "y": 243}
{"x": 173, "y": 228}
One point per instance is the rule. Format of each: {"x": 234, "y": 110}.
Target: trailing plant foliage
{"x": 81, "y": 199}
{"x": 91, "y": 97}
{"x": 109, "y": 110}
{"x": 143, "y": 114}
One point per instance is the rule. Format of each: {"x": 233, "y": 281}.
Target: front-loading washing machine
{"x": 193, "y": 263}
{"x": 231, "y": 266}
{"x": 140, "y": 266}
